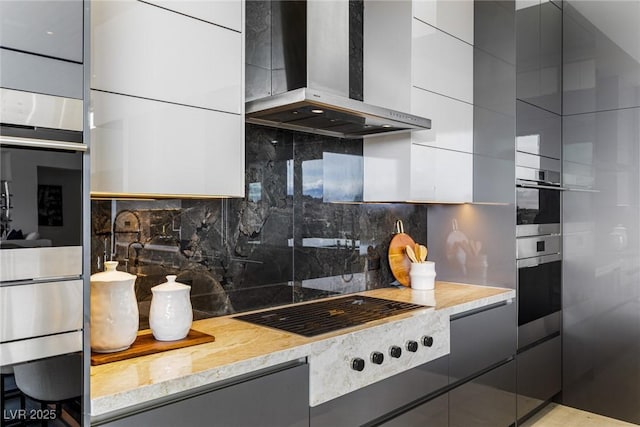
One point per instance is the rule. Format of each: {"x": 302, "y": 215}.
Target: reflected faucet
{"x": 115, "y": 232}
{"x": 136, "y": 249}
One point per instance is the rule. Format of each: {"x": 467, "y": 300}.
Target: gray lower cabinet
{"x": 539, "y": 375}
{"x": 486, "y": 401}
{"x": 278, "y": 399}
{"x": 377, "y": 402}
{"x": 434, "y": 413}
{"x": 482, "y": 339}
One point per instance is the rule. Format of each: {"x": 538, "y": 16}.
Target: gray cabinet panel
{"x": 380, "y": 398}
{"x": 545, "y": 127}
{"x": 52, "y": 27}
{"x": 539, "y": 375}
{"x": 494, "y": 83}
{"x": 487, "y": 401}
{"x": 550, "y": 97}
{"x": 494, "y": 28}
{"x": 598, "y": 73}
{"x": 275, "y": 400}
{"x": 539, "y": 55}
{"x": 434, "y": 413}
{"x": 481, "y": 340}
{"x": 32, "y": 73}
{"x": 493, "y": 180}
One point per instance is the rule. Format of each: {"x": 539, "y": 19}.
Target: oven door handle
{"x": 536, "y": 261}
{"x": 540, "y": 186}
{"x": 43, "y": 143}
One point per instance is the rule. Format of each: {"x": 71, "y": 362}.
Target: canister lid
{"x": 111, "y": 274}
{"x": 170, "y": 285}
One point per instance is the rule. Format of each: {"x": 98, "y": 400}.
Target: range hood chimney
{"x": 304, "y": 71}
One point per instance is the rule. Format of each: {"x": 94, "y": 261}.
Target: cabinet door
{"x": 275, "y": 400}
{"x": 51, "y": 28}
{"x": 226, "y": 13}
{"x": 441, "y": 175}
{"x": 528, "y": 49}
{"x": 146, "y": 51}
{"x": 538, "y": 131}
{"x": 539, "y": 375}
{"x": 481, "y": 340}
{"x": 434, "y": 413}
{"x": 550, "y": 58}
{"x": 487, "y": 401}
{"x": 379, "y": 399}
{"x": 34, "y": 73}
{"x": 147, "y": 147}
{"x": 453, "y": 119}
{"x": 441, "y": 63}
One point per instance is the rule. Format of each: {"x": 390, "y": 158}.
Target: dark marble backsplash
{"x": 296, "y": 236}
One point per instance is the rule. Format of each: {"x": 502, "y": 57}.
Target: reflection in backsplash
{"x": 295, "y": 237}
{"x": 473, "y": 243}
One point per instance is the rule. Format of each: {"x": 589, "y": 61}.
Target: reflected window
{"x": 312, "y": 175}
{"x": 342, "y": 177}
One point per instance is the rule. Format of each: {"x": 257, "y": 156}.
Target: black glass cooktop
{"x": 328, "y": 315}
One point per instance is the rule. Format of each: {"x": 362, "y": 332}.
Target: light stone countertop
{"x": 241, "y": 348}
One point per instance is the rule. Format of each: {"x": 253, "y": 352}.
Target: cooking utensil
{"x": 411, "y": 254}
{"x": 399, "y": 261}
{"x": 422, "y": 253}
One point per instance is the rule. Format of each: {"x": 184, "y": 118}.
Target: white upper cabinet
{"x": 452, "y": 121}
{"x": 226, "y": 13}
{"x": 454, "y": 17}
{"x": 397, "y": 170}
{"x": 147, "y": 51}
{"x": 441, "y": 63}
{"x": 167, "y": 99}
{"x": 143, "y": 147}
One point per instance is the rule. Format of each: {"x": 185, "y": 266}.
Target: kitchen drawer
{"x": 378, "y": 399}
{"x": 277, "y": 399}
{"x": 227, "y": 13}
{"x": 539, "y": 375}
{"x": 52, "y": 28}
{"x": 482, "y": 339}
{"x": 454, "y": 130}
{"x": 486, "y": 401}
{"x": 150, "y": 52}
{"x": 441, "y": 63}
{"x": 140, "y": 146}
{"x": 37, "y": 309}
{"x": 33, "y": 73}
{"x": 434, "y": 413}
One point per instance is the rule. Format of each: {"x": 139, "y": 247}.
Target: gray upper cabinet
{"x": 539, "y": 54}
{"x": 538, "y": 131}
{"x": 599, "y": 73}
{"x": 41, "y": 45}
{"x": 50, "y": 28}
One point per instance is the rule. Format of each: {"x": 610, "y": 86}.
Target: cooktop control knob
{"x": 377, "y": 357}
{"x": 412, "y": 346}
{"x": 357, "y": 364}
{"x": 427, "y": 341}
{"x": 395, "y": 351}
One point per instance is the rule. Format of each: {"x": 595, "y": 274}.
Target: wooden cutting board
{"x": 146, "y": 344}
{"x": 399, "y": 262}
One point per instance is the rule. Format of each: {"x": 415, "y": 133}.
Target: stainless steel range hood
{"x": 304, "y": 71}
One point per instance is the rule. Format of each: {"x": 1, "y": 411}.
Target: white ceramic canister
{"x": 423, "y": 275}
{"x": 170, "y": 316}
{"x": 114, "y": 310}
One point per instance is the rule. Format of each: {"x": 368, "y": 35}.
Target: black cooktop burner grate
{"x": 329, "y": 315}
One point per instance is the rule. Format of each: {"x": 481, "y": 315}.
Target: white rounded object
{"x": 114, "y": 310}
{"x": 170, "y": 316}
{"x": 423, "y": 275}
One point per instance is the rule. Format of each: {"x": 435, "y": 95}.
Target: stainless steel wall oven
{"x": 41, "y": 286}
